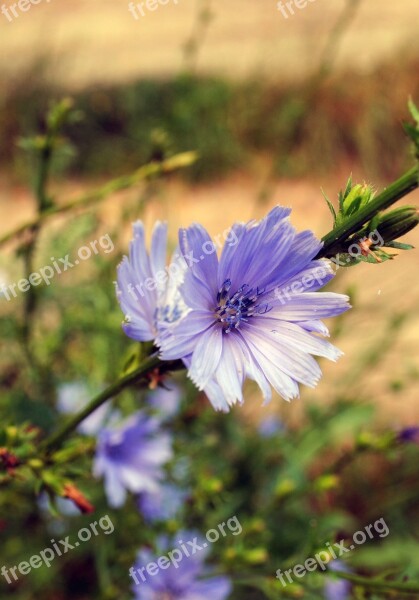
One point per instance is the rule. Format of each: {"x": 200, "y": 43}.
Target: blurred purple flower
{"x": 182, "y": 583}
{"x": 62, "y": 505}
{"x": 337, "y": 589}
{"x": 270, "y": 426}
{"x": 250, "y": 314}
{"x": 73, "y": 397}
{"x": 166, "y": 401}
{"x": 409, "y": 434}
{"x": 162, "y": 505}
{"x": 147, "y": 290}
{"x": 130, "y": 457}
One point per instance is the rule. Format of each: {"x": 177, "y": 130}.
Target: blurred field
{"x": 99, "y": 41}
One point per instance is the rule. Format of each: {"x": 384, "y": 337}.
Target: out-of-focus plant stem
{"x": 28, "y": 252}
{"x": 139, "y": 376}
{"x": 378, "y": 584}
{"x": 153, "y": 169}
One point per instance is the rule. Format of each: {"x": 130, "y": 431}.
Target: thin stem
{"x": 137, "y": 376}
{"x": 178, "y": 161}
{"x": 408, "y": 182}
{"x": 378, "y": 584}
{"x": 330, "y": 51}
{"x": 31, "y": 297}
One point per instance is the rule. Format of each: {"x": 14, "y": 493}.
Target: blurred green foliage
{"x": 347, "y": 115}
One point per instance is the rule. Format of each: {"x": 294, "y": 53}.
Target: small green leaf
{"x": 331, "y": 208}
{"x": 399, "y": 246}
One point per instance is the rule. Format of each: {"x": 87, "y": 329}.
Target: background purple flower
{"x": 270, "y": 426}
{"x": 409, "y": 434}
{"x": 131, "y": 457}
{"x": 166, "y": 400}
{"x": 163, "y": 504}
{"x": 183, "y": 583}
{"x": 337, "y": 589}
{"x": 255, "y": 312}
{"x": 73, "y": 397}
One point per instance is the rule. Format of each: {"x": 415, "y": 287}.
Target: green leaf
{"x": 331, "y": 208}
{"x": 399, "y": 246}
{"x": 414, "y": 111}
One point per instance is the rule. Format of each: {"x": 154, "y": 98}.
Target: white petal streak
{"x": 206, "y": 357}
{"x": 312, "y": 306}
{"x": 231, "y": 371}
{"x": 293, "y": 335}
{"x": 293, "y": 362}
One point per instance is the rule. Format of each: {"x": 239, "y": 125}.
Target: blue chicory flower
{"x": 254, "y": 312}
{"x": 409, "y": 434}
{"x": 131, "y": 457}
{"x": 163, "y": 504}
{"x": 166, "y": 401}
{"x": 184, "y": 582}
{"x": 74, "y": 396}
{"x": 270, "y": 426}
{"x": 147, "y": 289}
{"x": 337, "y": 589}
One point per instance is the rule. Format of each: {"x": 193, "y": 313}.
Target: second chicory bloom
{"x": 185, "y": 581}
{"x": 270, "y": 426}
{"x": 163, "y": 504}
{"x": 147, "y": 289}
{"x": 131, "y": 457}
{"x": 166, "y": 401}
{"x": 74, "y": 396}
{"x": 337, "y": 589}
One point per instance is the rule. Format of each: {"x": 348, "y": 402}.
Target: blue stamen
{"x": 232, "y": 311}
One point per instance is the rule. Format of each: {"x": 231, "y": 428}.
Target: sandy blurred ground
{"x": 90, "y": 41}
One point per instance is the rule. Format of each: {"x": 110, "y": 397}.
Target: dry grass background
{"x": 91, "y": 41}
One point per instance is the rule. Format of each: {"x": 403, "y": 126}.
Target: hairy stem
{"x": 408, "y": 182}
{"x": 178, "y": 161}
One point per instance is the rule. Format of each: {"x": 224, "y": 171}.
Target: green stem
{"x": 137, "y": 376}
{"x": 31, "y": 297}
{"x": 173, "y": 163}
{"x": 396, "y": 190}
{"x": 378, "y": 584}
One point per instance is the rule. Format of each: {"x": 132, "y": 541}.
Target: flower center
{"x": 232, "y": 310}
{"x": 164, "y": 596}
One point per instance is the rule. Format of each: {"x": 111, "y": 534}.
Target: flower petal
{"x": 206, "y": 357}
